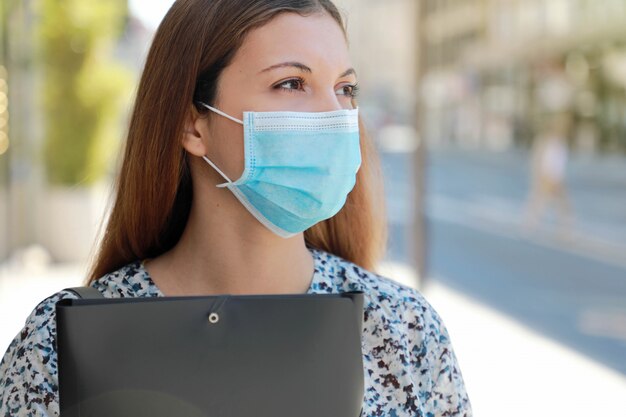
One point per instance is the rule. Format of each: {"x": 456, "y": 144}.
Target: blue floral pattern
{"x": 410, "y": 368}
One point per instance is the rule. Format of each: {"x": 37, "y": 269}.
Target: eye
{"x": 348, "y": 90}
{"x": 291, "y": 85}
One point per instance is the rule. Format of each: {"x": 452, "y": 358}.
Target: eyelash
{"x": 354, "y": 88}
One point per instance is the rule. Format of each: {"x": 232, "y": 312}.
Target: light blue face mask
{"x": 299, "y": 166}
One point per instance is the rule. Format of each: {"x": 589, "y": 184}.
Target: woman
{"x": 301, "y": 218}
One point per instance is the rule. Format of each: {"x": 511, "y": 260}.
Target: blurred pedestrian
{"x": 261, "y": 92}
{"x": 549, "y": 158}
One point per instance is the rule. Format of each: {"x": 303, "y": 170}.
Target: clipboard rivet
{"x": 213, "y": 318}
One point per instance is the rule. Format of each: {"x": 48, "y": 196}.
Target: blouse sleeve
{"x": 28, "y": 370}
{"x": 447, "y": 395}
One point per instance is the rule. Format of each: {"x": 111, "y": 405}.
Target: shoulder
{"x": 391, "y": 309}
{"x": 130, "y": 280}
{"x": 28, "y": 370}
{"x": 406, "y": 345}
{"x": 39, "y": 328}
{"x": 391, "y": 299}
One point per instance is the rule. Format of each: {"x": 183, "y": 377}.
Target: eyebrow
{"x": 349, "y": 71}
{"x": 304, "y": 68}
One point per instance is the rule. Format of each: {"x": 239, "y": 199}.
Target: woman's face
{"x": 292, "y": 63}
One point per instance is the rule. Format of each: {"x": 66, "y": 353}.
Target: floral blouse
{"x": 410, "y": 368}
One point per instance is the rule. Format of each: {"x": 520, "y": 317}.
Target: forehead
{"x": 316, "y": 40}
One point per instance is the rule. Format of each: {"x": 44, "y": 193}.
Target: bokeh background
{"x": 501, "y": 126}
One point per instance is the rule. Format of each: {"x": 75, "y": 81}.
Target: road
{"x": 571, "y": 290}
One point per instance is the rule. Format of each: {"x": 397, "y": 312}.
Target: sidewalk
{"x": 512, "y": 371}
{"x": 509, "y": 370}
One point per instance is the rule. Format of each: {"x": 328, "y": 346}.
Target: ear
{"x": 195, "y": 134}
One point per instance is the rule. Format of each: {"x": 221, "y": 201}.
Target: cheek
{"x": 225, "y": 148}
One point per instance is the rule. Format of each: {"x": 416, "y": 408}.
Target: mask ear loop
{"x": 222, "y": 113}
{"x": 207, "y": 159}
{"x": 219, "y": 171}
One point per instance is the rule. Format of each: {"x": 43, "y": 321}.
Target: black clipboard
{"x": 284, "y": 355}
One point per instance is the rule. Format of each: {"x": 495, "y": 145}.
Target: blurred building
{"x": 18, "y": 124}
{"x": 23, "y": 183}
{"x": 495, "y": 69}
{"x": 4, "y": 147}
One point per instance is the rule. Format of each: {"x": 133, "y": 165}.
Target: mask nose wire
{"x": 207, "y": 159}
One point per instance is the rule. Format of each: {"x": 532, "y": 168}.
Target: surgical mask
{"x": 299, "y": 166}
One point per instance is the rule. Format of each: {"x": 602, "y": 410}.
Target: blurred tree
{"x": 83, "y": 87}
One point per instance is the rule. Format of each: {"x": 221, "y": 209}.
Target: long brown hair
{"x": 195, "y": 41}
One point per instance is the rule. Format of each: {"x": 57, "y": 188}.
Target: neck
{"x": 225, "y": 250}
